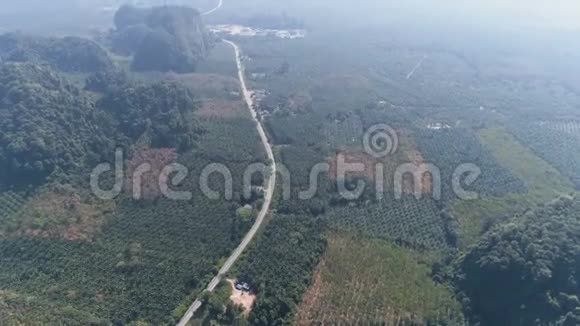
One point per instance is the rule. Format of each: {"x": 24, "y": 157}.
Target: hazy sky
{"x": 540, "y": 13}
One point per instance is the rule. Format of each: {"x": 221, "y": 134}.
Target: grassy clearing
{"x": 544, "y": 183}
{"x": 56, "y": 212}
{"x": 373, "y": 282}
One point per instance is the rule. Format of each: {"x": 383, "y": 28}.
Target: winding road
{"x": 219, "y": 5}
{"x": 417, "y": 66}
{"x": 269, "y": 191}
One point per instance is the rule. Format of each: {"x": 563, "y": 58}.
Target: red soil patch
{"x": 311, "y": 299}
{"x": 366, "y": 162}
{"x": 61, "y": 214}
{"x": 206, "y": 85}
{"x": 146, "y": 185}
{"x": 220, "y": 108}
{"x": 300, "y": 101}
{"x": 416, "y": 158}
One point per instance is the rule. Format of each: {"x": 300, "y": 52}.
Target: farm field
{"x": 543, "y": 181}
{"x": 450, "y": 148}
{"x": 555, "y": 145}
{"x": 362, "y": 281}
{"x": 416, "y": 223}
{"x": 10, "y": 203}
{"x": 280, "y": 265}
{"x": 570, "y": 126}
{"x": 317, "y": 108}
{"x": 68, "y": 257}
{"x": 160, "y": 85}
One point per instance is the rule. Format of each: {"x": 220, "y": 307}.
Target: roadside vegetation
{"x": 279, "y": 267}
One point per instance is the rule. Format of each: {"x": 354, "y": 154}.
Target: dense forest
{"x": 47, "y": 124}
{"x": 69, "y": 54}
{"x": 526, "y": 272}
{"x": 51, "y": 127}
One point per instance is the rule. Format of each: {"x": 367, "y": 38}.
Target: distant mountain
{"x": 51, "y": 128}
{"x": 69, "y": 54}
{"x": 170, "y": 38}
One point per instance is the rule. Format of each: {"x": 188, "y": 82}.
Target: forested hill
{"x": 45, "y": 123}
{"x": 527, "y": 272}
{"x": 70, "y": 257}
{"x": 50, "y": 127}
{"x": 161, "y": 38}
{"x": 69, "y": 54}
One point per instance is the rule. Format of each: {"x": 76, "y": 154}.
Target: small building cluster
{"x": 242, "y": 286}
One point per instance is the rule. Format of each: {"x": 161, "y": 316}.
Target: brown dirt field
{"x": 353, "y": 157}
{"x": 220, "y": 108}
{"x": 367, "y": 282}
{"x": 311, "y": 299}
{"x": 299, "y": 101}
{"x": 158, "y": 158}
{"x": 61, "y": 214}
{"x": 206, "y": 85}
{"x": 246, "y": 300}
{"x": 415, "y": 157}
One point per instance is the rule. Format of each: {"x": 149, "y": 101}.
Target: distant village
{"x": 240, "y": 30}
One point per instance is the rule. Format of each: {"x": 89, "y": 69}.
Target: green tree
{"x": 527, "y": 272}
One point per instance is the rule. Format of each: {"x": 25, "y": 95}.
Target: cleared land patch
{"x": 240, "y": 298}
{"x": 416, "y": 158}
{"x": 361, "y": 159}
{"x": 209, "y": 85}
{"x": 220, "y": 109}
{"x": 146, "y": 185}
{"x": 58, "y": 213}
{"x": 368, "y": 282}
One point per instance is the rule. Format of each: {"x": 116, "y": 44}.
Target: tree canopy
{"x": 164, "y": 110}
{"x": 527, "y": 272}
{"x": 45, "y": 123}
{"x": 69, "y": 54}
{"x": 49, "y": 126}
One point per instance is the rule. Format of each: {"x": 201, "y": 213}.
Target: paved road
{"x": 269, "y": 191}
{"x": 417, "y": 66}
{"x": 219, "y": 5}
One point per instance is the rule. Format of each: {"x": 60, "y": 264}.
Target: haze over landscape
{"x": 291, "y": 162}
